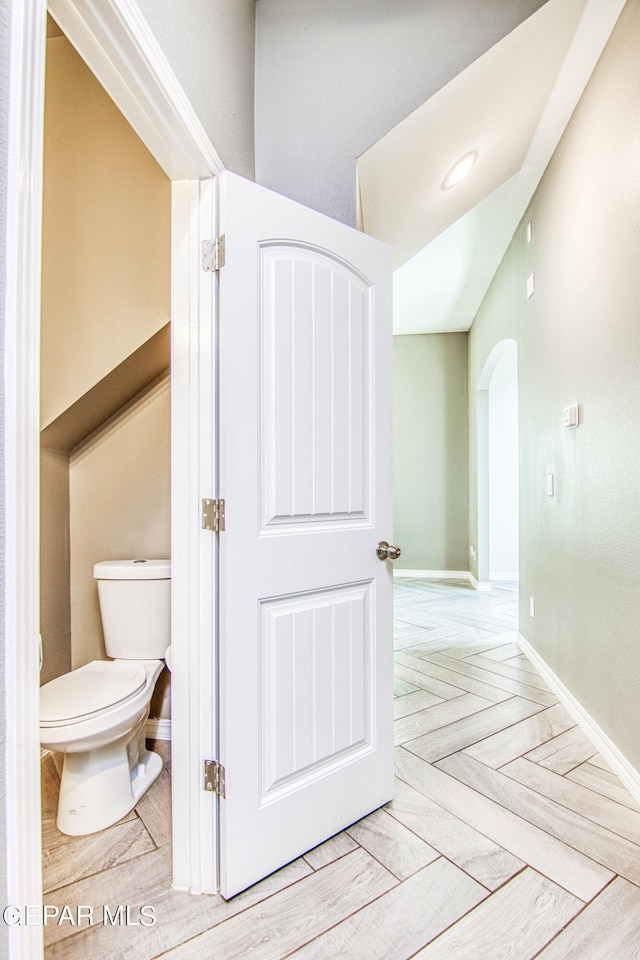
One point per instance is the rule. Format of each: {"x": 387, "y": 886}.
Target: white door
{"x": 305, "y": 470}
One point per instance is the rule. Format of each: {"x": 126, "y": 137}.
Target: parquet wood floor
{"x": 508, "y": 836}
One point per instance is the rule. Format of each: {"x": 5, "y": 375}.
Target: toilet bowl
{"x": 96, "y": 714}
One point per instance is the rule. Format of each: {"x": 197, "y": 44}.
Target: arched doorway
{"x": 498, "y": 483}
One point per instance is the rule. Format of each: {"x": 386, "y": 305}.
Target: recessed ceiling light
{"x": 459, "y": 170}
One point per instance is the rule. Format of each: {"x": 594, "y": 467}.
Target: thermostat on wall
{"x": 570, "y": 416}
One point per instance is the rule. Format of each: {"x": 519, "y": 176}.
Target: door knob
{"x": 387, "y": 551}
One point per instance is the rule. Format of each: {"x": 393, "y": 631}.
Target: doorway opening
{"x": 498, "y": 472}
{"x": 105, "y": 454}
{"x": 128, "y": 63}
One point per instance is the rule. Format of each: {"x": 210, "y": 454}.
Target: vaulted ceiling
{"x": 402, "y": 90}
{"x": 510, "y": 107}
{"x": 334, "y": 76}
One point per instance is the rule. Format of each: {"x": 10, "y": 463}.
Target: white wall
{"x": 503, "y": 466}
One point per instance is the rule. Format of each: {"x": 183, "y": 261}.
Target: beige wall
{"x": 579, "y": 340}
{"x": 430, "y": 451}
{"x": 105, "y": 302}
{"x": 120, "y": 506}
{"x": 106, "y": 235}
{"x": 55, "y": 610}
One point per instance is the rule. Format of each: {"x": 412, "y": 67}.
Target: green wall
{"x": 430, "y": 451}
{"x": 579, "y": 341}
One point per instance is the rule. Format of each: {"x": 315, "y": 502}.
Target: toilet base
{"x": 98, "y": 787}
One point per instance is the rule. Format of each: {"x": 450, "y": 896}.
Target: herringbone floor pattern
{"x": 508, "y": 836}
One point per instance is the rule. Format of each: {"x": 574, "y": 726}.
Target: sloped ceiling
{"x": 333, "y": 76}
{"x": 511, "y": 106}
{"x": 493, "y": 107}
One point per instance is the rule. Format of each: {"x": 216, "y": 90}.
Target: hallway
{"x": 508, "y": 835}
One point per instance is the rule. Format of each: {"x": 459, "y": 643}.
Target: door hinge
{"x": 213, "y": 515}
{"x": 213, "y": 254}
{"x": 214, "y": 777}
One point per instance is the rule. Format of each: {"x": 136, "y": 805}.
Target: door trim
{"x": 117, "y": 44}
{"x": 21, "y": 422}
{"x": 194, "y": 703}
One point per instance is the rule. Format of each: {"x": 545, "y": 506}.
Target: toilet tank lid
{"x": 132, "y": 570}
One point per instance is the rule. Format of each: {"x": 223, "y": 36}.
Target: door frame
{"x": 117, "y": 44}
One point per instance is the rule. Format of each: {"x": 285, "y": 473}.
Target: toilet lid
{"x": 90, "y": 689}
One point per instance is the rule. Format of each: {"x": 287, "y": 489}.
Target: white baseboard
{"x": 443, "y": 575}
{"x": 614, "y": 757}
{"x": 433, "y": 574}
{"x": 158, "y": 729}
{"x": 482, "y": 585}
{"x": 504, "y": 576}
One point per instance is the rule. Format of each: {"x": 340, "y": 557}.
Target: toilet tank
{"x": 135, "y": 606}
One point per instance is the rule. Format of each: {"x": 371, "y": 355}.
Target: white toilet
{"x": 96, "y": 714}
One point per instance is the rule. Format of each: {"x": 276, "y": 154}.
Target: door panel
{"x": 316, "y": 373}
{"x": 316, "y": 679}
{"x": 305, "y": 460}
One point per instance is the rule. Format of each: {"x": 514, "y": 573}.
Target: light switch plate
{"x": 571, "y": 415}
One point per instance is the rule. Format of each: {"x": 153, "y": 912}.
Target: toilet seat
{"x": 89, "y": 691}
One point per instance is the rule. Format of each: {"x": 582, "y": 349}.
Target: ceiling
{"x": 511, "y": 106}
{"x": 334, "y": 76}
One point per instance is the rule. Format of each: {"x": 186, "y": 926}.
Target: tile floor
{"x": 508, "y": 836}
